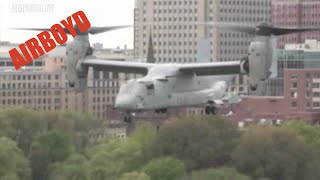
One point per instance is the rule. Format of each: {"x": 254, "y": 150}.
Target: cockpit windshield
{"x": 125, "y": 88}
{"x": 132, "y": 87}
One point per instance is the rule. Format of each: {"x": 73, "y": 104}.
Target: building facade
{"x": 45, "y": 86}
{"x": 177, "y": 26}
{"x": 294, "y": 93}
{"x": 300, "y": 101}
{"x": 296, "y": 13}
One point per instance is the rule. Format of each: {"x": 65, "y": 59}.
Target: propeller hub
{"x": 76, "y": 28}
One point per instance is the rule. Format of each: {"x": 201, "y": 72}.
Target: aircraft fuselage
{"x": 165, "y": 87}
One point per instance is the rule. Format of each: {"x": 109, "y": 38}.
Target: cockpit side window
{"x": 150, "y": 89}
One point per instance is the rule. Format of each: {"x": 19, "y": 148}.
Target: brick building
{"x": 295, "y": 93}
{"x": 301, "y": 100}
{"x": 296, "y": 13}
{"x": 43, "y": 85}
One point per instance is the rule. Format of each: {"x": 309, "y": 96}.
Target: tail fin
{"x": 203, "y": 53}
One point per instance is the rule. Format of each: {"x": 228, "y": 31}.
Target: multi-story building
{"x": 294, "y": 56}
{"x": 44, "y": 86}
{"x": 296, "y": 13}
{"x": 5, "y": 60}
{"x": 295, "y": 93}
{"x": 300, "y": 100}
{"x": 175, "y": 26}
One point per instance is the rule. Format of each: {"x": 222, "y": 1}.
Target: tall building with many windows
{"x": 177, "y": 26}
{"x": 43, "y": 85}
{"x": 296, "y": 13}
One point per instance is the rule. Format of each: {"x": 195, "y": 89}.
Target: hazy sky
{"x": 49, "y": 12}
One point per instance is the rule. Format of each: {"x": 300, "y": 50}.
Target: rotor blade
{"x": 97, "y": 30}
{"x": 41, "y": 29}
{"x": 32, "y": 29}
{"x": 92, "y": 30}
{"x": 260, "y": 29}
{"x": 243, "y": 28}
{"x": 277, "y": 31}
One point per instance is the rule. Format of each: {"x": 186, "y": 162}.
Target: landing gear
{"x": 210, "y": 109}
{"x": 128, "y": 117}
{"x": 158, "y": 111}
{"x": 253, "y": 87}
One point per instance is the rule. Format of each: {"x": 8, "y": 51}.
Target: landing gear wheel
{"x": 253, "y": 88}
{"x": 213, "y": 110}
{"x": 158, "y": 111}
{"x": 163, "y": 111}
{"x": 127, "y": 119}
{"x": 210, "y": 110}
{"x": 207, "y": 110}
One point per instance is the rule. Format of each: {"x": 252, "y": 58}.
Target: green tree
{"x": 48, "y": 148}
{"x": 76, "y": 125}
{"x": 111, "y": 159}
{"x": 218, "y": 174}
{"x": 134, "y": 176}
{"x": 275, "y": 153}
{"x": 144, "y": 135}
{"x": 197, "y": 141}
{"x": 311, "y": 134}
{"x": 165, "y": 169}
{"x": 72, "y": 168}
{"x": 13, "y": 164}
{"x": 21, "y": 125}
{"x": 24, "y": 125}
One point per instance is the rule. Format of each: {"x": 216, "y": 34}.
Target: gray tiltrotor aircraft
{"x": 171, "y": 85}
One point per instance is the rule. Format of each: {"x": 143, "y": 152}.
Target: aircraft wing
{"x": 212, "y": 68}
{"x": 117, "y": 66}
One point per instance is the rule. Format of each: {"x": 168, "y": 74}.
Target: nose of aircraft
{"x": 124, "y": 102}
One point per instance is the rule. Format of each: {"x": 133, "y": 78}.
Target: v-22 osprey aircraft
{"x": 174, "y": 85}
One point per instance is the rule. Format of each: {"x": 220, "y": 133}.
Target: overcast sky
{"x": 99, "y": 13}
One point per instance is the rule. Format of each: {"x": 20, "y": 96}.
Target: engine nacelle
{"x": 245, "y": 67}
{"x": 257, "y": 65}
{"x": 77, "y": 75}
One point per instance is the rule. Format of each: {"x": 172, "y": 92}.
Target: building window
{"x": 316, "y": 94}
{"x": 308, "y": 75}
{"x": 294, "y": 94}
{"x": 308, "y": 94}
{"x": 316, "y": 104}
{"x": 316, "y": 85}
{"x": 308, "y": 104}
{"x": 308, "y": 85}
{"x": 294, "y": 104}
{"x": 294, "y": 76}
{"x": 316, "y": 75}
{"x": 294, "y": 85}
